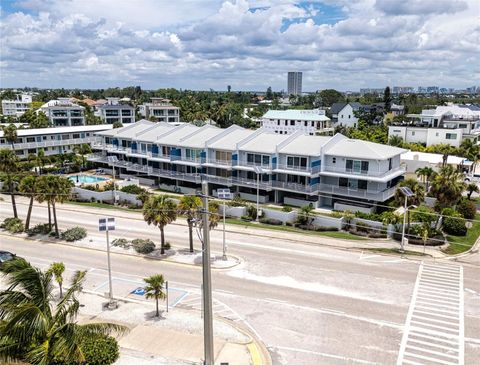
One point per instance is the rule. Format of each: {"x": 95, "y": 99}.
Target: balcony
{"x": 220, "y": 163}
{"x": 252, "y": 183}
{"x": 295, "y": 187}
{"x": 177, "y": 175}
{"x": 357, "y": 193}
{"x": 366, "y": 173}
{"x": 51, "y": 143}
{"x": 304, "y": 170}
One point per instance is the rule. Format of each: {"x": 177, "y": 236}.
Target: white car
{"x": 474, "y": 177}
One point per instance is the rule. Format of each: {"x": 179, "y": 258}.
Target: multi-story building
{"x": 402, "y": 90}
{"x": 52, "y": 141}
{"x": 160, "y": 110}
{"x": 295, "y": 169}
{"x": 294, "y": 83}
{"x": 63, "y": 113}
{"x": 114, "y": 111}
{"x": 344, "y": 114}
{"x": 17, "y": 107}
{"x": 289, "y": 121}
{"x": 449, "y": 124}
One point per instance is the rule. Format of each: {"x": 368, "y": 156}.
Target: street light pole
{"x": 224, "y": 257}
{"x": 207, "y": 282}
{"x": 403, "y": 227}
{"x": 114, "y": 188}
{"x": 258, "y": 192}
{"x": 110, "y": 287}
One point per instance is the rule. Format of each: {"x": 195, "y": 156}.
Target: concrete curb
{"x": 64, "y": 243}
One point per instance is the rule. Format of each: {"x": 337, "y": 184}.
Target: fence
{"x": 105, "y": 196}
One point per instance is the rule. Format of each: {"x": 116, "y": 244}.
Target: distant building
{"x": 160, "y": 110}
{"x": 402, "y": 90}
{"x": 433, "y": 89}
{"x": 17, "y": 107}
{"x": 53, "y": 141}
{"x": 113, "y": 111}
{"x": 294, "y": 85}
{"x": 292, "y": 120}
{"x": 449, "y": 124}
{"x": 344, "y": 114}
{"x": 377, "y": 91}
{"x": 62, "y": 113}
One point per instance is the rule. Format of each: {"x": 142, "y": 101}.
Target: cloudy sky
{"x": 250, "y": 45}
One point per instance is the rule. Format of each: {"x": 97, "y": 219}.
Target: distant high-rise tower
{"x": 294, "y": 83}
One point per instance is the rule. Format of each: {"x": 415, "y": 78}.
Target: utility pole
{"x": 108, "y": 224}
{"x": 207, "y": 282}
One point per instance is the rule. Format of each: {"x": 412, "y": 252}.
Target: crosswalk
{"x": 194, "y": 301}
{"x": 434, "y": 330}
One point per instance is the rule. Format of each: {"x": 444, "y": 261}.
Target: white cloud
{"x": 203, "y": 44}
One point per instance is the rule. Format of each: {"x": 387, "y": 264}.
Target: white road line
{"x": 275, "y": 300}
{"x": 421, "y": 349}
{"x": 422, "y": 323}
{"x": 223, "y": 291}
{"x": 434, "y": 320}
{"x": 436, "y": 292}
{"x": 428, "y": 358}
{"x": 423, "y": 334}
{"x": 424, "y": 301}
{"x": 429, "y": 307}
{"x": 434, "y": 314}
{"x": 442, "y": 301}
{"x": 440, "y": 284}
{"x": 437, "y": 275}
{"x": 441, "y": 269}
{"x": 433, "y": 345}
{"x": 438, "y": 297}
{"x": 323, "y": 354}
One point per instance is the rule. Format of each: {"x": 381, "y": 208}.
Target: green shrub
{"x": 167, "y": 245}
{"x": 362, "y": 227}
{"x": 89, "y": 187}
{"x": 121, "y": 242}
{"x": 252, "y": 211}
{"x": 143, "y": 246}
{"x": 74, "y": 234}
{"x": 133, "y": 189}
{"x": 467, "y": 209}
{"x": 287, "y": 208}
{"x": 97, "y": 349}
{"x": 369, "y": 216}
{"x": 236, "y": 202}
{"x": 246, "y": 218}
{"x": 454, "y": 225}
{"x": 326, "y": 229}
{"x": 13, "y": 225}
{"x": 272, "y": 221}
{"x": 39, "y": 229}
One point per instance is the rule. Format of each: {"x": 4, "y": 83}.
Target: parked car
{"x": 6, "y": 256}
{"x": 474, "y": 177}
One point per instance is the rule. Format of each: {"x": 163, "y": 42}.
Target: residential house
{"x": 289, "y": 121}
{"x": 344, "y": 114}
{"x": 160, "y": 110}
{"x": 64, "y": 113}
{"x": 16, "y": 108}
{"x": 114, "y": 111}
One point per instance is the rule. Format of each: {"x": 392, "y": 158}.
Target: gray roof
{"x": 356, "y": 148}
{"x": 336, "y": 107}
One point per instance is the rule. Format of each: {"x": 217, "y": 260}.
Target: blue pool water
{"x": 86, "y": 179}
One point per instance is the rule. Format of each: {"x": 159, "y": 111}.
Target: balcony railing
{"x": 366, "y": 173}
{"x": 51, "y": 143}
{"x": 358, "y": 193}
{"x": 214, "y": 161}
{"x": 252, "y": 183}
{"x": 305, "y": 188}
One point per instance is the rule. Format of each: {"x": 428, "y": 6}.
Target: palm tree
{"x": 396, "y": 141}
{"x": 213, "y": 216}
{"x": 447, "y": 187}
{"x": 10, "y": 134}
{"x": 57, "y": 269}
{"x": 32, "y": 328}
{"x": 306, "y": 211}
{"x": 9, "y": 164}
{"x": 160, "y": 211}
{"x": 472, "y": 188}
{"x": 189, "y": 206}
{"x": 40, "y": 161}
{"x": 82, "y": 150}
{"x": 470, "y": 150}
{"x": 417, "y": 189}
{"x": 425, "y": 173}
{"x": 43, "y": 194}
{"x": 28, "y": 187}
{"x": 54, "y": 189}
{"x": 154, "y": 289}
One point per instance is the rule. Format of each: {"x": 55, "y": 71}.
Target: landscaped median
{"x": 460, "y": 244}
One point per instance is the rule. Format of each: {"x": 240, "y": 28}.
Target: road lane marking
{"x": 434, "y": 329}
{"x": 323, "y": 354}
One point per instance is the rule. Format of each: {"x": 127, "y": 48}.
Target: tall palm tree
{"x": 470, "y": 150}
{"x": 10, "y": 134}
{"x": 154, "y": 289}
{"x": 82, "y": 150}
{"x": 32, "y": 328}
{"x": 160, "y": 211}
{"x": 447, "y": 187}
{"x": 42, "y": 195}
{"x": 189, "y": 206}
{"x": 425, "y": 173}
{"x": 28, "y": 187}
{"x": 40, "y": 161}
{"x": 57, "y": 269}
{"x": 472, "y": 188}
{"x": 9, "y": 164}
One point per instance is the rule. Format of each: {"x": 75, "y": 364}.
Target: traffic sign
{"x": 138, "y": 291}
{"x": 106, "y": 224}
{"x": 224, "y": 194}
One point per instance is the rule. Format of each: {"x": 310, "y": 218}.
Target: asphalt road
{"x": 309, "y": 304}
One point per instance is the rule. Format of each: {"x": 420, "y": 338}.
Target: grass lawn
{"x": 393, "y": 250}
{"x": 333, "y": 234}
{"x": 103, "y": 206}
{"x": 459, "y": 244}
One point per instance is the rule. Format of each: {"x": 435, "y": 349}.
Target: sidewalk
{"x": 175, "y": 337}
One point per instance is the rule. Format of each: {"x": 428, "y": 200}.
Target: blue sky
{"x": 203, "y": 44}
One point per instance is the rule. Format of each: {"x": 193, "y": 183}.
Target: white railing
{"x": 295, "y": 186}
{"x": 358, "y": 193}
{"x": 214, "y": 161}
{"x": 252, "y": 182}
{"x": 370, "y": 172}
{"x": 51, "y": 143}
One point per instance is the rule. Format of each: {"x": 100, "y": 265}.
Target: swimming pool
{"x": 86, "y": 179}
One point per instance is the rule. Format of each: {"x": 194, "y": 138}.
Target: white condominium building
{"x": 17, "y": 107}
{"x": 52, "y": 141}
{"x": 449, "y": 124}
{"x": 114, "y": 111}
{"x": 295, "y": 169}
{"x": 160, "y": 110}
{"x": 289, "y": 121}
{"x": 63, "y": 113}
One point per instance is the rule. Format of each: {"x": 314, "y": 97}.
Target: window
{"x": 462, "y": 126}
{"x": 357, "y": 166}
{"x": 30, "y": 139}
{"x": 334, "y": 160}
{"x": 364, "y": 167}
{"x": 343, "y": 182}
{"x": 306, "y": 124}
{"x": 76, "y": 135}
{"x": 192, "y": 154}
{"x": 348, "y": 116}
{"x": 451, "y": 136}
{"x": 362, "y": 184}
{"x": 165, "y": 151}
{"x": 223, "y": 156}
{"x": 260, "y": 160}
{"x": 397, "y": 131}
{"x": 278, "y": 122}
{"x": 390, "y": 164}
{"x": 413, "y": 133}
{"x": 294, "y": 162}
{"x": 292, "y": 122}
{"x": 436, "y": 134}
{"x": 313, "y": 124}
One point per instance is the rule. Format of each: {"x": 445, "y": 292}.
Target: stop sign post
{"x": 106, "y": 225}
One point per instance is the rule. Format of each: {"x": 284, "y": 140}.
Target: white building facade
{"x": 289, "y": 121}
{"x": 115, "y": 111}
{"x": 295, "y": 169}
{"x": 449, "y": 124}
{"x": 64, "y": 113}
{"x": 52, "y": 141}
{"x": 160, "y": 110}
{"x": 17, "y": 107}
